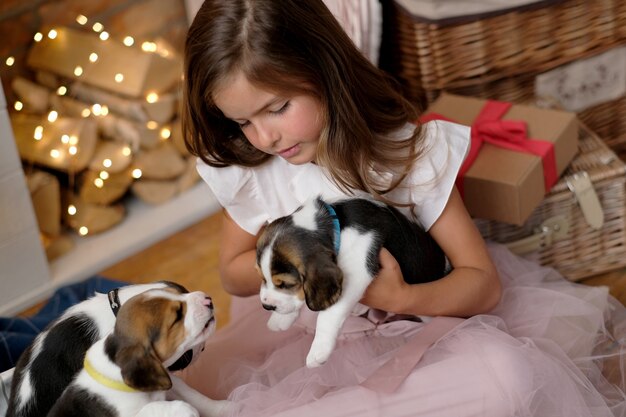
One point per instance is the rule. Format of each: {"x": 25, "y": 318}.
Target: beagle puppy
{"x": 125, "y": 374}
{"x": 56, "y": 355}
{"x": 325, "y": 255}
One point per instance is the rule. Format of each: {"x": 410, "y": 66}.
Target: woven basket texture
{"x": 585, "y": 251}
{"x": 498, "y": 56}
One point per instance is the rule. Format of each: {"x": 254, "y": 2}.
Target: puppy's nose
{"x": 269, "y": 307}
{"x": 208, "y": 302}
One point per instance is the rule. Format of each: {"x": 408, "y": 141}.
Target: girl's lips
{"x": 289, "y": 152}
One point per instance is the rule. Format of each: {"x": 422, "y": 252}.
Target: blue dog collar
{"x": 336, "y": 227}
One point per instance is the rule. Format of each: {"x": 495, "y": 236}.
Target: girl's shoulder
{"x": 225, "y": 182}
{"x": 441, "y": 137}
{"x": 443, "y": 148}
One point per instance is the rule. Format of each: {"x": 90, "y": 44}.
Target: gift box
{"x": 580, "y": 226}
{"x": 517, "y": 154}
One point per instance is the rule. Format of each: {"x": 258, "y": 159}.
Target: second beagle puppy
{"x": 125, "y": 374}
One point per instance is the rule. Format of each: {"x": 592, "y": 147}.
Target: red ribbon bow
{"x": 508, "y": 134}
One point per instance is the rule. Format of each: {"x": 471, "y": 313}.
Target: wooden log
{"x": 45, "y": 194}
{"x": 102, "y": 187}
{"x": 88, "y": 219}
{"x": 32, "y": 95}
{"x": 161, "y": 163}
{"x": 67, "y": 144}
{"x": 117, "y": 68}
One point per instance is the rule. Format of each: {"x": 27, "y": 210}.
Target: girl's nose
{"x": 267, "y": 136}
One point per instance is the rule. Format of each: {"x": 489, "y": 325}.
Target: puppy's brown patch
{"x": 315, "y": 266}
{"x": 148, "y": 330}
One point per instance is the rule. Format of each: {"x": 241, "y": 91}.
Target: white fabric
{"x": 445, "y": 9}
{"x": 363, "y": 22}
{"x": 254, "y": 196}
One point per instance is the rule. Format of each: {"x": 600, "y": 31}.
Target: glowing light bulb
{"x": 137, "y": 173}
{"x": 85, "y": 113}
{"x": 93, "y": 57}
{"x": 38, "y": 133}
{"x": 10, "y": 61}
{"x": 148, "y": 46}
{"x": 38, "y": 37}
{"x": 18, "y": 105}
{"x": 53, "y": 116}
{"x": 65, "y": 139}
{"x": 52, "y": 34}
{"x": 104, "y": 36}
{"x": 98, "y": 182}
{"x": 119, "y": 77}
{"x": 152, "y": 97}
{"x": 83, "y": 230}
{"x": 152, "y": 125}
{"x": 73, "y": 150}
{"x": 71, "y": 209}
{"x": 81, "y": 19}
{"x": 73, "y": 140}
{"x": 78, "y": 71}
{"x": 165, "y": 133}
{"x": 104, "y": 175}
{"x": 128, "y": 41}
{"x": 55, "y": 153}
{"x": 107, "y": 163}
{"x": 97, "y": 27}
{"x": 126, "y": 151}
{"x": 96, "y": 109}
{"x": 62, "y": 90}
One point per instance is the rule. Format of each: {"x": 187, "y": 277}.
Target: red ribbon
{"x": 508, "y": 134}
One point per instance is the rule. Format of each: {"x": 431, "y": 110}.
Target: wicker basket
{"x": 582, "y": 251}
{"x": 500, "y": 54}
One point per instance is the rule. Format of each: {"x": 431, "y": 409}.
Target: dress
{"x": 550, "y": 347}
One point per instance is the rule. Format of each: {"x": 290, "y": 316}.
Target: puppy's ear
{"x": 322, "y": 281}
{"x": 142, "y": 369}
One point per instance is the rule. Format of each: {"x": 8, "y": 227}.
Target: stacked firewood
{"x": 99, "y": 122}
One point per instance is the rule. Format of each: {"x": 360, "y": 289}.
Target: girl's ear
{"x": 142, "y": 369}
{"x": 322, "y": 281}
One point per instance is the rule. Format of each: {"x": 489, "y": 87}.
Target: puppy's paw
{"x": 279, "y": 322}
{"x": 182, "y": 409}
{"x": 168, "y": 408}
{"x": 318, "y": 354}
{"x": 223, "y": 408}
{"x": 359, "y": 309}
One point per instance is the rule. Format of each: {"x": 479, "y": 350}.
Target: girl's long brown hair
{"x": 291, "y": 47}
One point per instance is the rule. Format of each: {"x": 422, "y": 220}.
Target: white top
{"x": 255, "y": 196}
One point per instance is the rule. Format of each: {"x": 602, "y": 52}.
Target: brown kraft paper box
{"x": 505, "y": 185}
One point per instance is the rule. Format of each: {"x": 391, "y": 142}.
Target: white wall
{"x": 23, "y": 264}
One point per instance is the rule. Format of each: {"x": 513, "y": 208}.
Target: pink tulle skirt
{"x": 550, "y": 348}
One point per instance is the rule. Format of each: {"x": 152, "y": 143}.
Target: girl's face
{"x": 286, "y": 126}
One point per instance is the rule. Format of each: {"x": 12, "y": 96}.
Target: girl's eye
{"x": 282, "y": 109}
{"x": 244, "y": 124}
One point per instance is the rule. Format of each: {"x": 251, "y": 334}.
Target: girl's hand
{"x": 387, "y": 289}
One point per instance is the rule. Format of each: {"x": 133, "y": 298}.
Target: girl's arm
{"x": 237, "y": 259}
{"x": 473, "y": 287}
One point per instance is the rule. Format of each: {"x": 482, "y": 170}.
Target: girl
{"x": 280, "y": 106}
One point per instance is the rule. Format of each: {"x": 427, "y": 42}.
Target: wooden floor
{"x": 190, "y": 258}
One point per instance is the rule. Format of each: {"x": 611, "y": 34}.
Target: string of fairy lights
{"x": 69, "y": 142}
